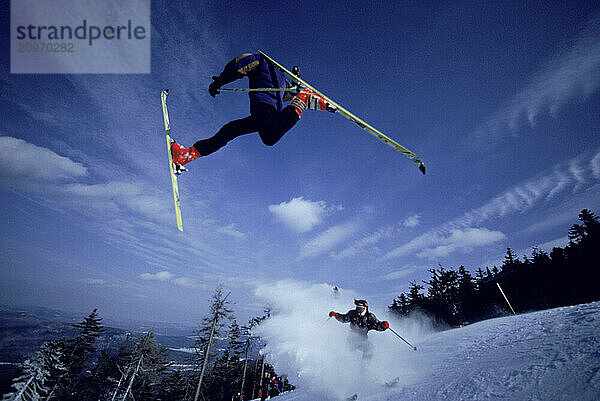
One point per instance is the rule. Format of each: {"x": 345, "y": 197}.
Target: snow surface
{"x": 546, "y": 355}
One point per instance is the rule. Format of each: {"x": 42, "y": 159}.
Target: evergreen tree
{"x": 213, "y": 324}
{"x": 144, "y": 372}
{"x": 41, "y": 373}
{"x": 580, "y": 233}
{"x": 415, "y": 296}
{"x": 225, "y": 374}
{"x": 401, "y": 305}
{"x": 479, "y": 275}
{"x": 511, "y": 261}
{"x": 175, "y": 387}
{"x": 539, "y": 257}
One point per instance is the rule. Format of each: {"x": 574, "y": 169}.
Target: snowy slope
{"x": 547, "y": 355}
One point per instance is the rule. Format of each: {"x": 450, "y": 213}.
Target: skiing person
{"x": 361, "y": 321}
{"x": 268, "y": 116}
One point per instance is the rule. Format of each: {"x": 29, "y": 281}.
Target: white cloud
{"x": 571, "y": 74}
{"x": 459, "y": 234}
{"x": 463, "y": 240}
{"x": 436, "y": 244}
{"x": 557, "y": 243}
{"x": 595, "y": 165}
{"x": 400, "y": 274}
{"x": 298, "y": 214}
{"x": 160, "y": 276}
{"x": 186, "y": 282}
{"x": 232, "y": 231}
{"x": 573, "y": 174}
{"x": 363, "y": 244}
{"x": 93, "y": 281}
{"x": 25, "y": 160}
{"x": 328, "y": 240}
{"x": 411, "y": 220}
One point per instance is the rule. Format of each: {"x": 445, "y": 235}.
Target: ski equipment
{"x": 400, "y": 337}
{"x": 172, "y": 166}
{"x": 308, "y": 99}
{"x": 346, "y": 114}
{"x": 182, "y": 156}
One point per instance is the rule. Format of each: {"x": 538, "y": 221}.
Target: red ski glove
{"x": 385, "y": 325}
{"x": 332, "y": 314}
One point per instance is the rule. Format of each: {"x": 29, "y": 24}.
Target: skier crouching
{"x": 361, "y": 321}
{"x": 268, "y": 115}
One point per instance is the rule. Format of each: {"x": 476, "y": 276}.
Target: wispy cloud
{"x": 30, "y": 162}
{"x": 400, "y": 274}
{"x": 298, "y": 214}
{"x": 93, "y": 281}
{"x": 329, "y": 239}
{"x": 573, "y": 73}
{"x": 232, "y": 231}
{"x": 595, "y": 166}
{"x": 164, "y": 275}
{"x": 573, "y": 174}
{"x": 364, "y": 244}
{"x": 412, "y": 220}
{"x": 464, "y": 234}
{"x": 167, "y": 276}
{"x": 186, "y": 282}
{"x": 368, "y": 242}
{"x": 464, "y": 240}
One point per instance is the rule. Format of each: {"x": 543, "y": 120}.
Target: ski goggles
{"x": 360, "y": 308}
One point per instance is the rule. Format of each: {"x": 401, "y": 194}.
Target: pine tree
{"x": 175, "y": 387}
{"x": 41, "y": 373}
{"x": 539, "y": 257}
{"x": 580, "y": 233}
{"x": 144, "y": 371}
{"x": 213, "y": 324}
{"x": 511, "y": 261}
{"x": 401, "y": 305}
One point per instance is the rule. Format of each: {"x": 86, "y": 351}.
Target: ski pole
{"x": 258, "y": 90}
{"x": 399, "y": 336}
{"x": 507, "y": 301}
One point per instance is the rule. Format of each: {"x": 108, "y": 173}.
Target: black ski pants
{"x": 270, "y": 124}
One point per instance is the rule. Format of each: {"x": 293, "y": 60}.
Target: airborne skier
{"x": 361, "y": 321}
{"x": 268, "y": 115}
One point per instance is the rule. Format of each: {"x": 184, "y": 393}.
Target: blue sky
{"x": 501, "y": 101}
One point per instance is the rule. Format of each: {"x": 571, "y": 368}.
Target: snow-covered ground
{"x": 547, "y": 355}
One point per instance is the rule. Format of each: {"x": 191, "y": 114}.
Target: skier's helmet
{"x": 361, "y": 306}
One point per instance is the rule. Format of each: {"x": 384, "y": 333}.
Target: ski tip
{"x": 422, "y": 167}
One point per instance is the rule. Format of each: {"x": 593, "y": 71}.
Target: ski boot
{"x": 308, "y": 99}
{"x": 182, "y": 156}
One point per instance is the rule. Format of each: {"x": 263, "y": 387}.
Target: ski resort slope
{"x": 546, "y": 355}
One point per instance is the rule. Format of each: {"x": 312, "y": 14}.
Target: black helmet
{"x": 361, "y": 302}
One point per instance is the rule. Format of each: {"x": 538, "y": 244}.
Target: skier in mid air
{"x": 361, "y": 321}
{"x": 268, "y": 114}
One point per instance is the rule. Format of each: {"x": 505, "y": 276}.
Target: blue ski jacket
{"x": 261, "y": 74}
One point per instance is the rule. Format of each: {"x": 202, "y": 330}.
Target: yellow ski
{"x": 346, "y": 114}
{"x": 163, "y": 97}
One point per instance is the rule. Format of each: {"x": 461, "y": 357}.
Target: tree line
{"x": 75, "y": 370}
{"x": 566, "y": 276}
